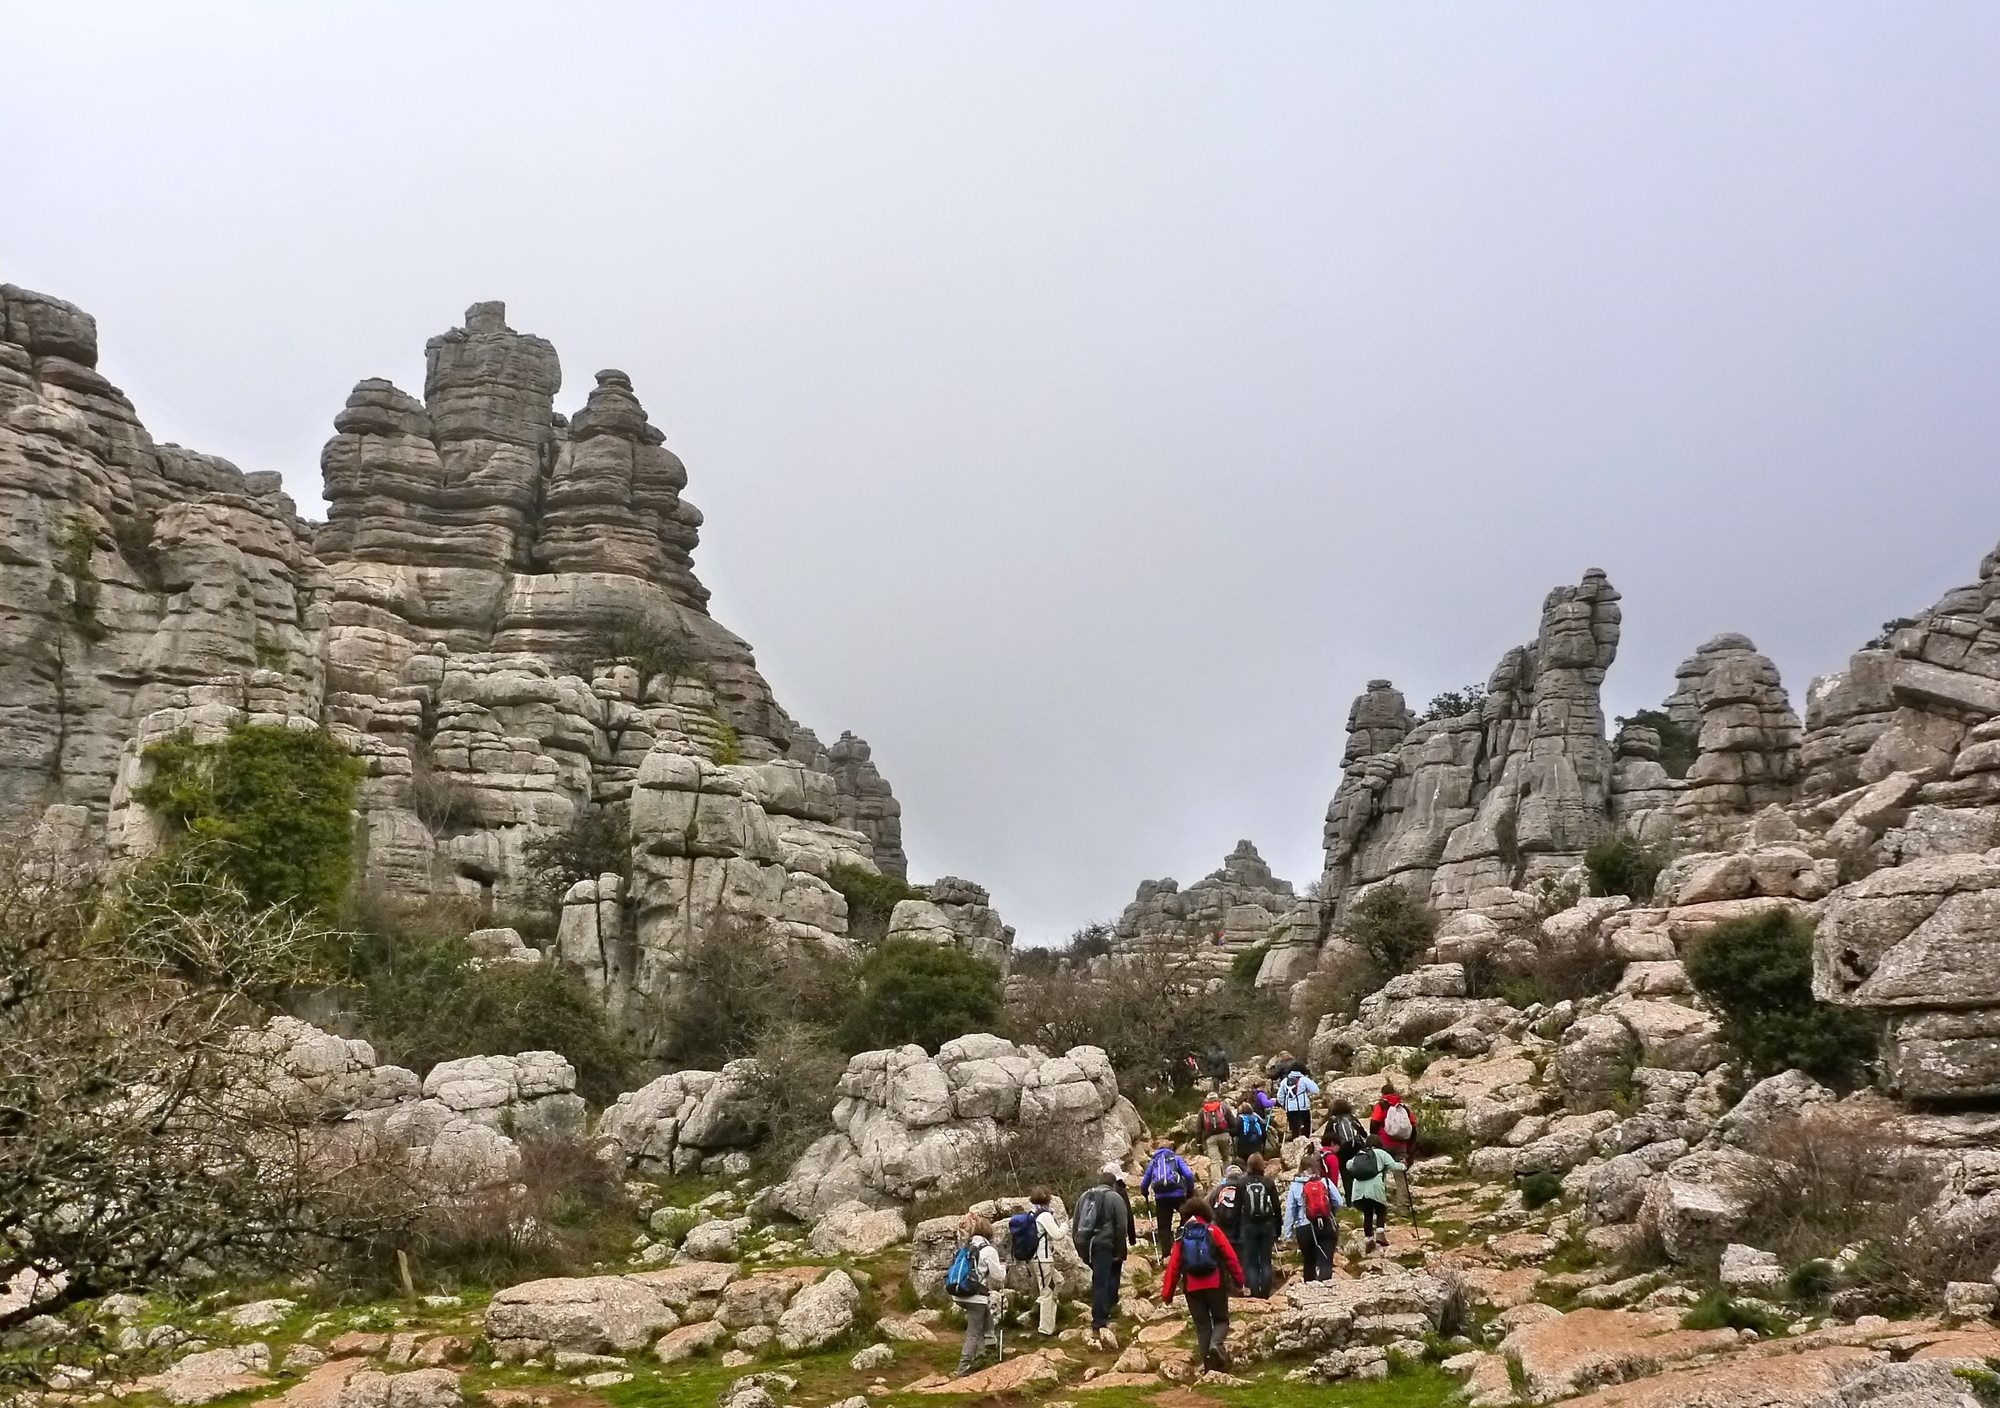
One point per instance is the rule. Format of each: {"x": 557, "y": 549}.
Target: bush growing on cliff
{"x": 1757, "y": 973}
{"x": 1391, "y": 926}
{"x": 1679, "y": 744}
{"x": 871, "y": 898}
{"x": 1454, "y": 703}
{"x": 271, "y": 807}
{"x": 597, "y": 842}
{"x": 1619, "y": 865}
{"x": 738, "y": 981}
{"x": 912, "y": 991}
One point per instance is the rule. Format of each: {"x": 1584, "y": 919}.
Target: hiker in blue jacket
{"x": 1295, "y": 1094}
{"x": 1169, "y": 1182}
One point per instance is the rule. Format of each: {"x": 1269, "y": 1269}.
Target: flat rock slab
{"x": 1745, "y": 1381}
{"x": 1585, "y": 1348}
{"x": 1041, "y": 1369}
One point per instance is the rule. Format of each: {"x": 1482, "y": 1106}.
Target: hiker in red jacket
{"x": 1204, "y": 1265}
{"x": 1392, "y": 1124}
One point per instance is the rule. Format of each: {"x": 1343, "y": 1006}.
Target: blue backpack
{"x": 1166, "y": 1177}
{"x": 962, "y": 1281}
{"x": 1024, "y": 1236}
{"x": 1250, "y": 1128}
{"x": 1197, "y": 1249}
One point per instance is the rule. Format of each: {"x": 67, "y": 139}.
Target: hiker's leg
{"x": 1045, "y": 1296}
{"x": 1105, "y": 1266}
{"x": 976, "y": 1315}
{"x": 1218, "y": 1323}
{"x": 1198, "y": 1316}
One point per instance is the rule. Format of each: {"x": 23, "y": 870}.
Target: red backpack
{"x": 1213, "y": 1121}
{"x": 1318, "y": 1204}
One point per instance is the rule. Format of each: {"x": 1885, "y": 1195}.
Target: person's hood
{"x": 1392, "y": 1099}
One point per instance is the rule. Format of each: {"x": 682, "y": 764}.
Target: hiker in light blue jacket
{"x": 1295, "y": 1094}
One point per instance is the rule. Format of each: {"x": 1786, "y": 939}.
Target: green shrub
{"x": 728, "y": 743}
{"x": 912, "y": 991}
{"x": 871, "y": 899}
{"x": 1540, "y": 1188}
{"x": 597, "y": 842}
{"x": 1757, "y": 973}
{"x": 1679, "y": 744}
{"x": 1391, "y": 926}
{"x": 1811, "y": 1280}
{"x": 655, "y": 646}
{"x": 1455, "y": 703}
{"x": 274, "y": 805}
{"x": 422, "y": 1000}
{"x": 1243, "y": 968}
{"x": 1718, "y": 1310}
{"x": 1619, "y": 865}
{"x": 1417, "y": 1062}
{"x": 737, "y": 980}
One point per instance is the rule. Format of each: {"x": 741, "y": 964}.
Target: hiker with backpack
{"x": 1259, "y": 1213}
{"x": 1169, "y": 1182}
{"x": 1341, "y": 1140}
{"x": 974, "y": 1280}
{"x": 1101, "y": 1230}
{"x": 1225, "y": 1205}
{"x": 1312, "y": 1213}
{"x": 1295, "y": 1093}
{"x": 1217, "y": 1127}
{"x": 1368, "y": 1172}
{"x": 1217, "y": 1064}
{"x": 1251, "y": 1131}
{"x": 1031, "y": 1238}
{"x": 1203, "y": 1263}
{"x": 1394, "y": 1126}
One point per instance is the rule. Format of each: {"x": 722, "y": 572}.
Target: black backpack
{"x": 1345, "y": 1134}
{"x": 1363, "y": 1166}
{"x": 1258, "y": 1203}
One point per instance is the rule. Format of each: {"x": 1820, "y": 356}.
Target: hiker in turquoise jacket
{"x": 1371, "y": 1194}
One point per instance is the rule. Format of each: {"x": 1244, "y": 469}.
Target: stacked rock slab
{"x": 862, "y": 797}
{"x": 1232, "y": 909}
{"x": 1506, "y": 795}
{"x": 1748, "y": 735}
{"x": 908, "y": 1123}
{"x": 1903, "y": 749}
{"x": 957, "y": 914}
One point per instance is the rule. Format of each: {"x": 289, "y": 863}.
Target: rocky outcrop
{"x": 687, "y": 1121}
{"x": 461, "y": 1122}
{"x": 1749, "y": 736}
{"x": 1506, "y": 795}
{"x": 955, "y": 913}
{"x": 907, "y": 1124}
{"x": 1229, "y": 911}
{"x": 500, "y": 617}
{"x": 134, "y": 577}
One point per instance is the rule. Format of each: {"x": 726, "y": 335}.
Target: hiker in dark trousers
{"x": 1260, "y": 1211}
{"x": 1169, "y": 1182}
{"x": 1295, "y": 1093}
{"x": 1217, "y": 1062}
{"x": 1368, "y": 1172}
{"x": 1340, "y": 1141}
{"x": 1204, "y": 1264}
{"x": 1312, "y": 1210}
{"x": 1252, "y": 1129}
{"x": 1101, "y": 1230}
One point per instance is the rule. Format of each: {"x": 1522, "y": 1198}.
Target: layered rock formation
{"x": 908, "y": 1124}
{"x": 1232, "y": 909}
{"x": 1749, "y": 737}
{"x": 1511, "y": 793}
{"x": 500, "y": 616}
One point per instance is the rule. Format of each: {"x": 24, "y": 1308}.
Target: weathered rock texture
{"x": 1749, "y": 735}
{"x": 1229, "y": 911}
{"x": 500, "y": 617}
{"x": 1506, "y": 795}
{"x": 907, "y": 1124}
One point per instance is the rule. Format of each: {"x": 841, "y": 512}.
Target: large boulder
{"x": 585, "y": 1314}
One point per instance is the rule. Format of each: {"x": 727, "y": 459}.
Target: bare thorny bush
{"x": 1834, "y": 1178}
{"x": 131, "y": 1146}
{"x": 566, "y": 1207}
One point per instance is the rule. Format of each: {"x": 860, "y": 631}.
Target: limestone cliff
{"x": 500, "y": 616}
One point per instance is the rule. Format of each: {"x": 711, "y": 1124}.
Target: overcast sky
{"x": 1088, "y": 399}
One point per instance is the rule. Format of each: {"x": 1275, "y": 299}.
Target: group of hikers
{"x": 1227, "y": 1236}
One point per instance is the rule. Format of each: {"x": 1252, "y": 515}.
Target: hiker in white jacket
{"x": 989, "y": 1274}
{"x": 1048, "y": 1228}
